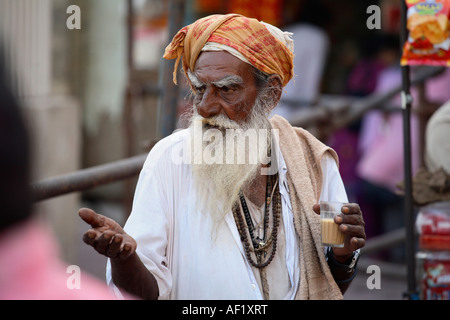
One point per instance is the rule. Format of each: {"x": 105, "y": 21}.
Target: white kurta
{"x": 192, "y": 256}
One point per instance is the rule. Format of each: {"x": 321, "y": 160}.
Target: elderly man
{"x": 213, "y": 226}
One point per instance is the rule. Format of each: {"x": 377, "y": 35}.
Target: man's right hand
{"x": 127, "y": 270}
{"x": 106, "y": 236}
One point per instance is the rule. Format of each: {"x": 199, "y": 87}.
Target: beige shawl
{"x": 302, "y": 153}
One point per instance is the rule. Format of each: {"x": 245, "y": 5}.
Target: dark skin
{"x": 109, "y": 239}
{"x": 225, "y": 85}
{"x": 351, "y": 223}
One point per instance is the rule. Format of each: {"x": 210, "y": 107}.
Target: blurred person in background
{"x": 437, "y": 141}
{"x": 30, "y": 267}
{"x": 311, "y": 49}
{"x": 432, "y": 181}
{"x": 379, "y": 52}
{"x": 381, "y": 164}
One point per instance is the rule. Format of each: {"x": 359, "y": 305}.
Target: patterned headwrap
{"x": 263, "y": 46}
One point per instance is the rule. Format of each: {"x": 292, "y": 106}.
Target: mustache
{"x": 220, "y": 122}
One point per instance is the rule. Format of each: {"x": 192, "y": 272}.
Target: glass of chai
{"x": 331, "y": 235}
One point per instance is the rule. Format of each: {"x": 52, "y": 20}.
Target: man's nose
{"x": 209, "y": 104}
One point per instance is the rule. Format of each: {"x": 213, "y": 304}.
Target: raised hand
{"x": 107, "y": 237}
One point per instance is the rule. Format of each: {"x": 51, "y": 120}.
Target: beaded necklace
{"x": 260, "y": 246}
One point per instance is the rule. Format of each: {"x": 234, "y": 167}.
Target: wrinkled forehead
{"x": 220, "y": 68}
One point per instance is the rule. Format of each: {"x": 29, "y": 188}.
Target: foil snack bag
{"x": 428, "y": 42}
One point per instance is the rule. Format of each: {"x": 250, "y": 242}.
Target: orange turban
{"x": 249, "y": 37}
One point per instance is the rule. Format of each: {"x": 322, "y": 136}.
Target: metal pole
{"x": 87, "y": 178}
{"x": 409, "y": 210}
{"x": 128, "y": 125}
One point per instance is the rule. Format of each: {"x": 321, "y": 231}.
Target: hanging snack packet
{"x": 429, "y": 33}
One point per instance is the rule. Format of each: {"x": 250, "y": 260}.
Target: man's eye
{"x": 200, "y": 90}
{"x": 229, "y": 89}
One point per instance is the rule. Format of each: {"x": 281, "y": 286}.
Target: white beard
{"x": 228, "y": 173}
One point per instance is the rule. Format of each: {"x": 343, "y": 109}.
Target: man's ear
{"x": 275, "y": 88}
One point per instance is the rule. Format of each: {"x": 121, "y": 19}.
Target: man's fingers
{"x": 89, "y": 237}
{"x": 90, "y": 217}
{"x": 115, "y": 246}
{"x": 99, "y": 240}
{"x": 106, "y": 236}
{"x": 121, "y": 247}
{"x": 351, "y": 208}
{"x": 316, "y": 208}
{"x": 352, "y": 230}
{"x": 353, "y": 219}
{"x": 110, "y": 244}
{"x": 357, "y": 243}
{"x": 127, "y": 250}
{"x": 102, "y": 243}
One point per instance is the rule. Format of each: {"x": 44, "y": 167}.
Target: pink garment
{"x": 31, "y": 270}
{"x": 381, "y": 139}
{"x": 437, "y": 88}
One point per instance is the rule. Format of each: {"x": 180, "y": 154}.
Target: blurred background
{"x": 102, "y": 93}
